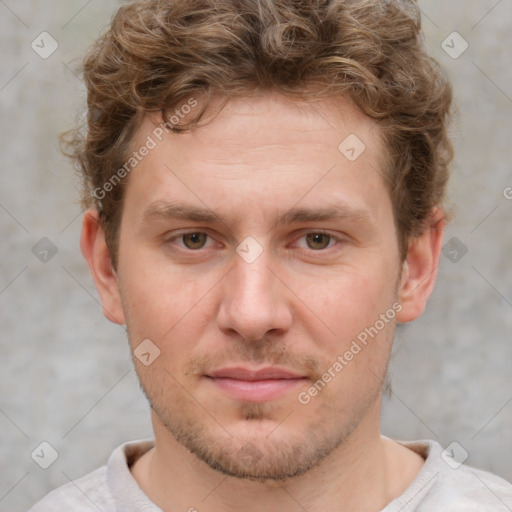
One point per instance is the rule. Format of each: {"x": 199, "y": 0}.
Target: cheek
{"x": 349, "y": 301}
{"x": 163, "y": 304}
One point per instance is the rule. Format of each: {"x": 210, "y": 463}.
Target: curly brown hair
{"x": 156, "y": 54}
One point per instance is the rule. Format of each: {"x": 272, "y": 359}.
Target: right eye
{"x": 192, "y": 241}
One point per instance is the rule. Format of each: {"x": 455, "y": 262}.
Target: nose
{"x": 255, "y": 302}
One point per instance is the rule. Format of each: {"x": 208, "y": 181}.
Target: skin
{"x": 299, "y": 305}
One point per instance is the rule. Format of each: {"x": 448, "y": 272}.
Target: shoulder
{"x": 108, "y": 488}
{"x": 89, "y": 492}
{"x": 471, "y": 489}
{"x": 445, "y": 484}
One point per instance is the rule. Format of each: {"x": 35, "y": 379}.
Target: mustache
{"x": 267, "y": 353}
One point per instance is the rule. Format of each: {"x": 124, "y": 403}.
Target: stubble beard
{"x": 264, "y": 456}
{"x": 271, "y": 455}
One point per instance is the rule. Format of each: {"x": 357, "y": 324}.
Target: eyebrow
{"x": 173, "y": 210}
{"x": 337, "y": 212}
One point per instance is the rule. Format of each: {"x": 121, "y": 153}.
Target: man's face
{"x": 299, "y": 257}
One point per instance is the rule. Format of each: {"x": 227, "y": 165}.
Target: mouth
{"x": 255, "y": 385}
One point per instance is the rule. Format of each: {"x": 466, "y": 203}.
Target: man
{"x": 264, "y": 183}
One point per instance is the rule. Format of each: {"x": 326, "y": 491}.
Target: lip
{"x": 241, "y": 373}
{"x": 255, "y": 385}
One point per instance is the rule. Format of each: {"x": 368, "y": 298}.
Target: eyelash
{"x": 334, "y": 240}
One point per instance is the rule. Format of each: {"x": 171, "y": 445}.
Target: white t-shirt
{"x": 440, "y": 486}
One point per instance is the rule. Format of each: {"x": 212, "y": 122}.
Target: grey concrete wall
{"x": 66, "y": 375}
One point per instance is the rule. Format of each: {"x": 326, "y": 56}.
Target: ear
{"x": 419, "y": 271}
{"x": 96, "y": 253}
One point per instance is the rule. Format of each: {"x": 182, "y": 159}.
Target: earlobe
{"x": 419, "y": 270}
{"x": 96, "y": 253}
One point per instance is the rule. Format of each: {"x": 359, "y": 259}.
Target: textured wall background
{"x": 66, "y": 375}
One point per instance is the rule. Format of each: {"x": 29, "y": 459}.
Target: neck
{"x": 363, "y": 474}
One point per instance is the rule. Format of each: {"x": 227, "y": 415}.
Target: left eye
{"x": 318, "y": 240}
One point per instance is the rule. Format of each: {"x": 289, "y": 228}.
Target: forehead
{"x": 262, "y": 147}
{"x": 270, "y": 116}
